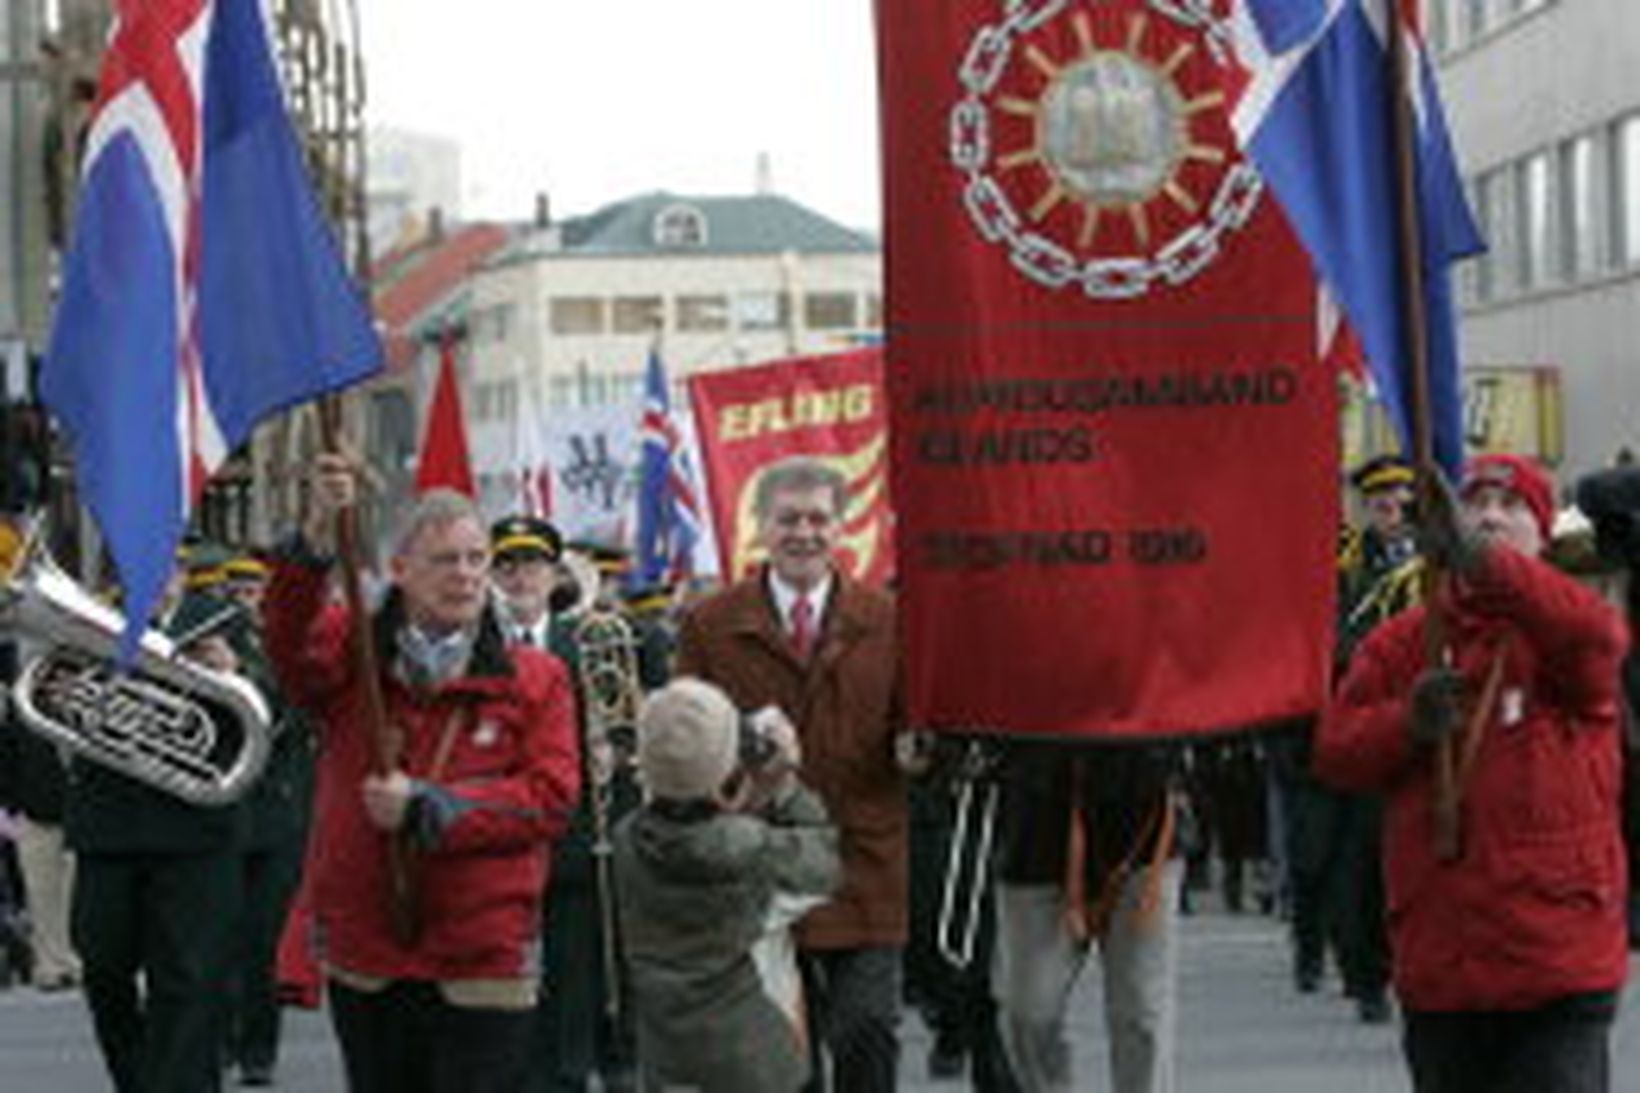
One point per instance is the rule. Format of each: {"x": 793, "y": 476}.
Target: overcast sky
{"x": 596, "y": 100}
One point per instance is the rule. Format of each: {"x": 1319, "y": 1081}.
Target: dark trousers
{"x": 1563, "y": 1047}
{"x": 573, "y": 1036}
{"x": 854, "y": 1005}
{"x": 271, "y": 876}
{"x": 1337, "y": 884}
{"x": 406, "y": 1038}
{"x": 956, "y": 1003}
{"x": 168, "y": 918}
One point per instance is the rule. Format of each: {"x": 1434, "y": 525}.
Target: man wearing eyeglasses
{"x": 483, "y": 772}
{"x": 803, "y": 636}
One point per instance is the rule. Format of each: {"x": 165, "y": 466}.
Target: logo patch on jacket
{"x": 1512, "y": 707}
{"x": 486, "y": 734}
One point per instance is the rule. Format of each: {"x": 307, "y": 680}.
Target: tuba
{"x": 184, "y": 729}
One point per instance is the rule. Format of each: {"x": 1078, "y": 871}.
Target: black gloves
{"x": 1437, "y": 705}
{"x": 1442, "y": 539}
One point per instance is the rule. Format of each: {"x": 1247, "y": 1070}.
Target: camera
{"x": 757, "y": 743}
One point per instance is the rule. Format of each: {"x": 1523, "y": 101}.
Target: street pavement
{"x": 1242, "y": 1029}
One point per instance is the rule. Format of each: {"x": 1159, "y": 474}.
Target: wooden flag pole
{"x": 401, "y": 890}
{"x": 1415, "y": 320}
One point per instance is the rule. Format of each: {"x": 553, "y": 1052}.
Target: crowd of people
{"x": 534, "y": 834}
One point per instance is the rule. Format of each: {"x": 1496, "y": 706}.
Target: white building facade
{"x": 1544, "y": 101}
{"x": 568, "y": 316}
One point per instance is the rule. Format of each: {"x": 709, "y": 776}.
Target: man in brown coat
{"x": 802, "y": 636}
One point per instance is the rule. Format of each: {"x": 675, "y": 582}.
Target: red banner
{"x": 831, "y": 407}
{"x": 1114, "y": 444}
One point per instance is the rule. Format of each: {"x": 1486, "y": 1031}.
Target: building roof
{"x": 417, "y": 285}
{"x": 741, "y": 224}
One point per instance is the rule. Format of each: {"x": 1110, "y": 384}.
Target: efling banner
{"x": 829, "y": 406}
{"x": 1114, "y": 444}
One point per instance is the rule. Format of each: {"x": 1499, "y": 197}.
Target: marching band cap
{"x": 610, "y": 560}
{"x": 1518, "y": 474}
{"x": 1383, "y": 472}
{"x": 245, "y": 566}
{"x": 204, "y": 565}
{"x": 652, "y": 597}
{"x": 520, "y": 535}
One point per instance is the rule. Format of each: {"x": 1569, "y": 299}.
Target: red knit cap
{"x": 1522, "y": 476}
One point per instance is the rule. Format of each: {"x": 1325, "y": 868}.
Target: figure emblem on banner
{"x": 1102, "y": 158}
{"x": 864, "y": 532}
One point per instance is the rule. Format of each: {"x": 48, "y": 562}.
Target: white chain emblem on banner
{"x": 1112, "y": 129}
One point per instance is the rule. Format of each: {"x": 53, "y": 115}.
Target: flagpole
{"x": 1415, "y": 321}
{"x": 400, "y": 890}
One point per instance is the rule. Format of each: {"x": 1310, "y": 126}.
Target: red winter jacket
{"x": 505, "y": 790}
{"x": 1533, "y": 908}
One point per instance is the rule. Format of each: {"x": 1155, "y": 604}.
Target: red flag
{"x": 1114, "y": 442}
{"x": 444, "y": 463}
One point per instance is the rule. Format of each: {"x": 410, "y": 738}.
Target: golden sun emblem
{"x": 1085, "y": 151}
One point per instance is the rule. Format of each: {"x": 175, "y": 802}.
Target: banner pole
{"x": 1415, "y": 318}
{"x": 400, "y": 890}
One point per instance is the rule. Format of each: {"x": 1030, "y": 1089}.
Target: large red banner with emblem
{"x": 831, "y": 407}
{"x": 1114, "y": 444}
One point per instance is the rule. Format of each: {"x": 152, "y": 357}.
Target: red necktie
{"x": 803, "y": 626}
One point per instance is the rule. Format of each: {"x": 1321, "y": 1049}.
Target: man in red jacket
{"x": 485, "y": 772}
{"x": 1509, "y": 951}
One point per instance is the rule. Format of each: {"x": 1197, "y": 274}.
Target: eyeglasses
{"x": 455, "y": 559}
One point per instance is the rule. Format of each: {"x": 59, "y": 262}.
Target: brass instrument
{"x": 611, "y": 692}
{"x": 184, "y": 729}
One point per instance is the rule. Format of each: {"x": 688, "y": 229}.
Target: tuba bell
{"x": 177, "y": 726}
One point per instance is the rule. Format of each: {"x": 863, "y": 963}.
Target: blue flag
{"x": 203, "y": 290}
{"x": 668, "y": 509}
{"x": 1315, "y": 118}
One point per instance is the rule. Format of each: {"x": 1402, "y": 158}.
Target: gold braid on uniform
{"x": 1393, "y": 593}
{"x": 1351, "y": 549}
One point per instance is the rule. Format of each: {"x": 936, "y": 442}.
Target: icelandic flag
{"x": 1315, "y": 117}
{"x": 202, "y": 290}
{"x": 668, "y": 503}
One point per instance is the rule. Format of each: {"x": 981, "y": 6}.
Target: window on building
{"x": 1535, "y": 222}
{"x": 561, "y": 391}
{"x": 594, "y": 388}
{"x": 680, "y": 226}
{"x": 1475, "y": 18}
{"x": 639, "y": 314}
{"x": 830, "y": 311}
{"x": 1440, "y": 31}
{"x": 492, "y": 324}
{"x": 1626, "y": 190}
{"x": 697, "y": 314}
{"x": 1485, "y": 264}
{"x": 576, "y": 315}
{"x": 763, "y": 310}
{"x": 874, "y": 311}
{"x": 1579, "y": 209}
{"x": 497, "y": 401}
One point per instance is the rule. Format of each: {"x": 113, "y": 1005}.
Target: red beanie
{"x": 1522, "y": 476}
